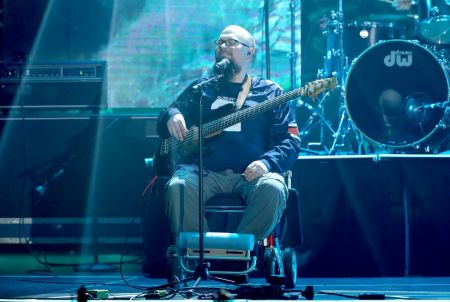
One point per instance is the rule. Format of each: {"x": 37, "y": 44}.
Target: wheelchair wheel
{"x": 290, "y": 267}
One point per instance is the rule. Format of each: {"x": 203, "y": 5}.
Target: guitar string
{"x": 173, "y": 143}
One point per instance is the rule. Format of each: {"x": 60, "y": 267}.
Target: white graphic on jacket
{"x": 222, "y": 101}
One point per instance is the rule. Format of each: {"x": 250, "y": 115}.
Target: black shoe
{"x": 154, "y": 268}
{"x": 231, "y": 266}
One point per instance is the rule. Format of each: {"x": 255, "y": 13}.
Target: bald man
{"x": 247, "y": 158}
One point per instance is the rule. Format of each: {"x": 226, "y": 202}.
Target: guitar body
{"x": 166, "y": 159}
{"x": 164, "y": 163}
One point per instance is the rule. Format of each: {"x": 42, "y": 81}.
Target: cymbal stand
{"x": 345, "y": 125}
{"x": 335, "y": 63}
{"x": 342, "y": 130}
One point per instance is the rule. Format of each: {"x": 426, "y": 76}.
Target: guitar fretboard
{"x": 250, "y": 112}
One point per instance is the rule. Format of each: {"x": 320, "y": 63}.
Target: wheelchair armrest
{"x": 288, "y": 178}
{"x": 290, "y": 226}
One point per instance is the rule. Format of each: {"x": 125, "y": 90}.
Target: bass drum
{"x": 395, "y": 94}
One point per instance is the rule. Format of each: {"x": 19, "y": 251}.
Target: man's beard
{"x": 232, "y": 70}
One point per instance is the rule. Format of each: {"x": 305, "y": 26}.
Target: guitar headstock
{"x": 316, "y": 87}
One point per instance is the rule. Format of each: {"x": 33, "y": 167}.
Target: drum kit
{"x": 394, "y": 92}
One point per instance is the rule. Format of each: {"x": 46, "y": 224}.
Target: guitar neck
{"x": 250, "y": 112}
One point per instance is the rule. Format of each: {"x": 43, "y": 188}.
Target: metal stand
{"x": 267, "y": 37}
{"x": 342, "y": 137}
{"x": 317, "y": 119}
{"x": 293, "y": 55}
{"x": 201, "y": 272}
{"x": 339, "y": 135}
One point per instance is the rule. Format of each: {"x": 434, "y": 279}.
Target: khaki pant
{"x": 265, "y": 197}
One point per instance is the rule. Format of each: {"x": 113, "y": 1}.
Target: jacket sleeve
{"x": 181, "y": 105}
{"x": 285, "y": 146}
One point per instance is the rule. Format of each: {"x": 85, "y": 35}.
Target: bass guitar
{"x": 171, "y": 151}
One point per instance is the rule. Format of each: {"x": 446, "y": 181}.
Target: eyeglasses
{"x": 229, "y": 43}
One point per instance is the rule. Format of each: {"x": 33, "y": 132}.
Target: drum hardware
{"x": 346, "y": 138}
{"x": 336, "y": 62}
{"x": 413, "y": 108}
{"x": 339, "y": 136}
{"x": 434, "y": 21}
{"x": 317, "y": 119}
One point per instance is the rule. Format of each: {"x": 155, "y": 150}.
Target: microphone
{"x": 221, "y": 66}
{"x": 420, "y": 113}
{"x": 439, "y": 105}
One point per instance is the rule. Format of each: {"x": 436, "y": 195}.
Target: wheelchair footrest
{"x": 217, "y": 240}
{"x": 225, "y": 248}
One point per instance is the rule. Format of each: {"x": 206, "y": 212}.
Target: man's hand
{"x": 255, "y": 170}
{"x": 177, "y": 126}
{"x": 402, "y": 4}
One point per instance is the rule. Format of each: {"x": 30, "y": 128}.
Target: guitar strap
{"x": 244, "y": 92}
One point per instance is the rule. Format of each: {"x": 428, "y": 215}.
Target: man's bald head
{"x": 239, "y": 33}
{"x": 240, "y": 54}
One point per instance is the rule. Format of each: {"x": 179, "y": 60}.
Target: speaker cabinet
{"x": 63, "y": 86}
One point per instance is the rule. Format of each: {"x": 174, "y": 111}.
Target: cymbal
{"x": 391, "y": 1}
{"x": 386, "y": 1}
{"x": 391, "y": 17}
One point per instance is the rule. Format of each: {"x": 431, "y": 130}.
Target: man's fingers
{"x": 252, "y": 172}
{"x": 177, "y": 127}
{"x": 181, "y": 128}
{"x": 178, "y": 133}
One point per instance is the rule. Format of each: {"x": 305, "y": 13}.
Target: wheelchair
{"x": 275, "y": 256}
{"x": 276, "y": 253}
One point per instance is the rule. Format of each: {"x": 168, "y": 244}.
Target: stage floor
{"x": 48, "y": 287}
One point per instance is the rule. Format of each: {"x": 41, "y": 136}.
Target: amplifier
{"x": 70, "y": 85}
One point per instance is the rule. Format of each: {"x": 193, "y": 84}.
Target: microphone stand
{"x": 293, "y": 55}
{"x": 201, "y": 271}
